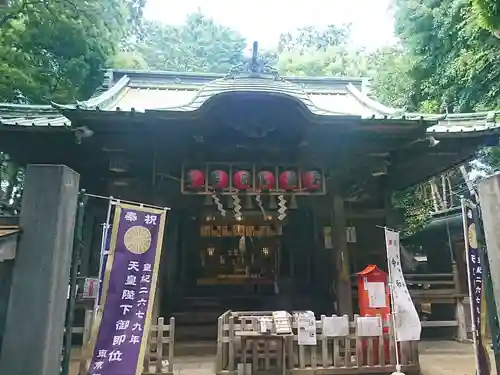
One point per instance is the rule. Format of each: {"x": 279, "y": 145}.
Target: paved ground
{"x": 448, "y": 358}
{"x": 436, "y": 358}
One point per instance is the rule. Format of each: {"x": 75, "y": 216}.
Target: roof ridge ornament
{"x": 254, "y": 67}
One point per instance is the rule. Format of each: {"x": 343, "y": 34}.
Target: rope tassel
{"x": 219, "y": 205}
{"x": 237, "y": 207}
{"x": 282, "y": 207}
{"x": 258, "y": 199}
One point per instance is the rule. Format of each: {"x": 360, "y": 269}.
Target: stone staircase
{"x": 197, "y": 312}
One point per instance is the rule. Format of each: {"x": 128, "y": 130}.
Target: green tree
{"x": 455, "y": 67}
{"x": 199, "y": 45}
{"x": 488, "y": 14}
{"x": 391, "y": 81}
{"x": 57, "y": 49}
{"x": 331, "y": 61}
{"x": 128, "y": 60}
{"x": 309, "y": 38}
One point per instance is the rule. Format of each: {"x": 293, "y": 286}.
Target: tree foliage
{"x": 455, "y": 67}
{"x": 57, "y": 49}
{"x": 310, "y": 38}
{"x": 488, "y": 14}
{"x": 199, "y": 45}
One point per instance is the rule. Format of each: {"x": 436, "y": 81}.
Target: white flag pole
{"x": 105, "y": 229}
{"x": 393, "y": 311}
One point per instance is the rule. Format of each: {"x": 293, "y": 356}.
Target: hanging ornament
{"x": 237, "y": 207}
{"x": 258, "y": 199}
{"x": 311, "y": 180}
{"x": 241, "y": 180}
{"x": 265, "y": 180}
{"x": 218, "y": 179}
{"x": 218, "y": 204}
{"x": 288, "y": 180}
{"x": 195, "y": 179}
{"x": 282, "y": 207}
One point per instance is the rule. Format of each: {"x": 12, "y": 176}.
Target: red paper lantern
{"x": 311, "y": 180}
{"x": 195, "y": 179}
{"x": 265, "y": 180}
{"x": 241, "y": 180}
{"x": 288, "y": 180}
{"x": 218, "y": 179}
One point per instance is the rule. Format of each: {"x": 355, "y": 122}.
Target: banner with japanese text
{"x": 406, "y": 320}
{"x": 476, "y": 290}
{"x": 122, "y": 325}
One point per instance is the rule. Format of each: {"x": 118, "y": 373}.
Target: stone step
{"x": 196, "y": 317}
{"x": 206, "y": 332}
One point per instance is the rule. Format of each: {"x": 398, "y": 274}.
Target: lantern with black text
{"x": 288, "y": 180}
{"x": 241, "y": 180}
{"x": 195, "y": 179}
{"x": 265, "y": 180}
{"x": 218, "y": 179}
{"x": 311, "y": 180}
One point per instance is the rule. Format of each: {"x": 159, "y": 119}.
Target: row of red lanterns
{"x": 287, "y": 180}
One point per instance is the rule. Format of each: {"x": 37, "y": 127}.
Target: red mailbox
{"x": 374, "y": 299}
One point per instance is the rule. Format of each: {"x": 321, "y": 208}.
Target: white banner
{"x": 407, "y": 321}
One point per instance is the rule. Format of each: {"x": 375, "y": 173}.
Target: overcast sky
{"x": 264, "y": 20}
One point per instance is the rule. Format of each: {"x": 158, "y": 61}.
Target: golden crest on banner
{"x": 472, "y": 235}
{"x": 137, "y": 239}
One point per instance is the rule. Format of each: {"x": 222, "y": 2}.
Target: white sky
{"x": 263, "y": 20}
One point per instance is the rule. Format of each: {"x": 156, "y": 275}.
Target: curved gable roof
{"x": 142, "y": 91}
{"x": 328, "y": 97}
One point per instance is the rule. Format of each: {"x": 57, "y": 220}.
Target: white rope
{"x": 282, "y": 207}
{"x": 237, "y": 207}
{"x": 219, "y": 205}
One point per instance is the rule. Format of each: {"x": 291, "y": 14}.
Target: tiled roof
{"x": 31, "y": 115}
{"x": 326, "y": 97}
{"x": 342, "y": 96}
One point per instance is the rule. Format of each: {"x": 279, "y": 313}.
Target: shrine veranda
{"x": 143, "y": 133}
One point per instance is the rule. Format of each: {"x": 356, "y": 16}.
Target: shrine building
{"x": 312, "y": 163}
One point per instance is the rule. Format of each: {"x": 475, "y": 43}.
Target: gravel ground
{"x": 448, "y": 358}
{"x": 436, "y": 358}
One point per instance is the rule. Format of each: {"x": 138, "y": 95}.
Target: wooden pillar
{"x": 88, "y": 231}
{"x": 341, "y": 257}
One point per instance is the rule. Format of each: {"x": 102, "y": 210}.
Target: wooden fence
{"x": 351, "y": 354}
{"x": 159, "y": 359}
{"x": 429, "y": 289}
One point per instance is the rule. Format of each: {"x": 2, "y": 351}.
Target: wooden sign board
{"x": 239, "y": 230}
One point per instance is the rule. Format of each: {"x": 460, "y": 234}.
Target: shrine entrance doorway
{"x": 238, "y": 261}
{"x": 252, "y": 264}
{"x": 238, "y": 253}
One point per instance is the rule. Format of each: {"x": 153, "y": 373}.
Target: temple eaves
{"x": 325, "y": 98}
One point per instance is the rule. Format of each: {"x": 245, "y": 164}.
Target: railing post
{"x": 159, "y": 344}
{"x": 220, "y": 335}
{"x": 460, "y": 316}
{"x": 87, "y": 329}
{"x": 171, "y": 346}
